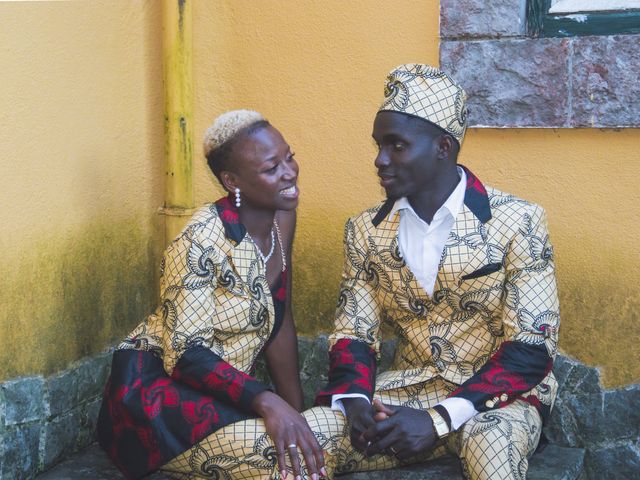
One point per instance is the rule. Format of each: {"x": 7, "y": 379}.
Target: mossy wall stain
{"x": 600, "y": 309}
{"x": 65, "y": 298}
{"x": 324, "y": 104}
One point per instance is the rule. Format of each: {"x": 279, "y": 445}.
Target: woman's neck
{"x": 257, "y": 222}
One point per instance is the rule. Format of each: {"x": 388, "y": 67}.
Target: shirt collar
{"x": 452, "y": 204}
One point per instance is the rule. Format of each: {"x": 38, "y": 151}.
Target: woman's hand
{"x": 291, "y": 434}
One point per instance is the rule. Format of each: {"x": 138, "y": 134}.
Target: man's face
{"x": 407, "y": 160}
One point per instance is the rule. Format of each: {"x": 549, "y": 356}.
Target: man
{"x": 464, "y": 275}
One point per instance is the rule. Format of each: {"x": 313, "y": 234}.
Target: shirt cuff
{"x": 459, "y": 409}
{"x": 336, "y": 401}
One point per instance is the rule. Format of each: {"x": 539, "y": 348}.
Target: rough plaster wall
{"x": 585, "y": 180}
{"x": 81, "y": 159}
{"x": 317, "y": 69}
{"x": 80, "y": 111}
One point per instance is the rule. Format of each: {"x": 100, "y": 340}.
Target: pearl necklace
{"x": 284, "y": 259}
{"x": 266, "y": 258}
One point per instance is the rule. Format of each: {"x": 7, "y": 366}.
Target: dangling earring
{"x": 237, "y": 197}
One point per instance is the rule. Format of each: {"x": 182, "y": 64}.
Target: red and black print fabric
{"x": 352, "y": 369}
{"x": 514, "y": 369}
{"x": 148, "y": 418}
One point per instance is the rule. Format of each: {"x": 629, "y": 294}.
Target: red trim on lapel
{"x": 475, "y": 198}
{"x": 228, "y": 214}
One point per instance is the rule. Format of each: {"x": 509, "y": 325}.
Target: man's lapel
{"x": 466, "y": 248}
{"x": 385, "y": 242}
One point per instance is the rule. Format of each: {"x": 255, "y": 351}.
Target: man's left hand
{"x": 400, "y": 431}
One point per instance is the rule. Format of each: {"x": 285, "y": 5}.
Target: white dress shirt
{"x": 421, "y": 245}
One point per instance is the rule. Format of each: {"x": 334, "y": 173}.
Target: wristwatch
{"x": 439, "y": 423}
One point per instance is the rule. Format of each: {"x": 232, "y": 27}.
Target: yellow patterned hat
{"x": 428, "y": 93}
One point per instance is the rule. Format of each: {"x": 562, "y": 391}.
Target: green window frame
{"x": 541, "y": 23}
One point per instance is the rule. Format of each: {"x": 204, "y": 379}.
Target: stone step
{"x": 555, "y": 462}
{"x": 558, "y": 463}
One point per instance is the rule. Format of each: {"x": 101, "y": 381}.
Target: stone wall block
{"x": 60, "y": 436}
{"x": 582, "y": 379}
{"x": 92, "y": 375}
{"x": 479, "y": 18}
{"x": 63, "y": 391}
{"x": 605, "y": 76}
{"x": 88, "y": 422}
{"x": 24, "y": 400}
{"x": 3, "y": 414}
{"x": 591, "y": 421}
{"x": 622, "y": 411}
{"x": 21, "y": 451}
{"x": 313, "y": 374}
{"x": 387, "y": 353}
{"x": 305, "y": 344}
{"x": 562, "y": 367}
{"x": 561, "y": 428}
{"x": 508, "y": 80}
{"x": 613, "y": 462}
{"x": 261, "y": 372}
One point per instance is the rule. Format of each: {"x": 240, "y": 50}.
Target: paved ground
{"x": 557, "y": 463}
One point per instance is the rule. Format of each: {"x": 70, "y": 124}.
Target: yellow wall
{"x": 81, "y": 141}
{"x": 317, "y": 69}
{"x": 81, "y": 155}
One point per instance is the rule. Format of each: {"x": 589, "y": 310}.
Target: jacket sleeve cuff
{"x": 352, "y": 369}
{"x": 514, "y": 369}
{"x": 205, "y": 371}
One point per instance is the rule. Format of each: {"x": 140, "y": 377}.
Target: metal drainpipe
{"x": 177, "y": 53}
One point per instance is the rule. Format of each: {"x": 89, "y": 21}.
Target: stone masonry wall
{"x": 43, "y": 420}
{"x": 518, "y": 81}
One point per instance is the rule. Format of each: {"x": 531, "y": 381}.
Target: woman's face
{"x": 265, "y": 170}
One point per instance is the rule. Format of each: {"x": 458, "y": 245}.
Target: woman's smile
{"x": 290, "y": 192}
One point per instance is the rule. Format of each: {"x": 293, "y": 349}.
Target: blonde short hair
{"x": 226, "y": 126}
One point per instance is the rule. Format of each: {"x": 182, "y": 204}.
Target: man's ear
{"x": 446, "y": 146}
{"x": 229, "y": 180}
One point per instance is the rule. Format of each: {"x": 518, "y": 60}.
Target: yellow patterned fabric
{"x": 428, "y": 93}
{"x": 214, "y": 292}
{"x": 495, "y": 283}
{"x": 491, "y": 446}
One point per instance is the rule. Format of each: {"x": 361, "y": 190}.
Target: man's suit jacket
{"x": 490, "y": 327}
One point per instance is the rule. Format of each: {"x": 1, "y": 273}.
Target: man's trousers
{"x": 491, "y": 445}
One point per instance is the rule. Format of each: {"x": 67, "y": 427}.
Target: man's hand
{"x": 360, "y": 416}
{"x": 400, "y": 431}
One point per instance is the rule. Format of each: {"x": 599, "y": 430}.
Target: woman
{"x": 185, "y": 372}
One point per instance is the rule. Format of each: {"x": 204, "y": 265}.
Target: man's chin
{"x": 392, "y": 195}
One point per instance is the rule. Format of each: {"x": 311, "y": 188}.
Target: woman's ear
{"x": 229, "y": 180}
